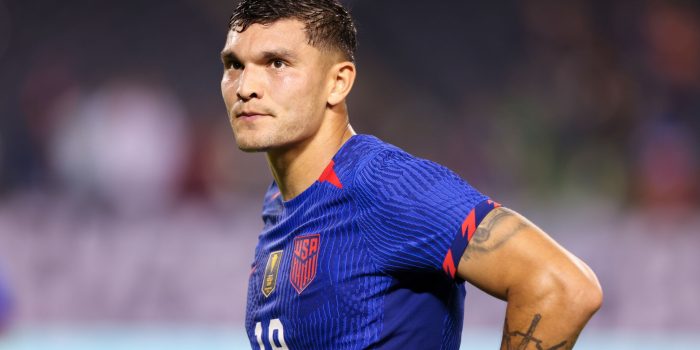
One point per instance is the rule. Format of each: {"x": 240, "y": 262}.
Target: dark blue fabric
{"x": 383, "y": 237}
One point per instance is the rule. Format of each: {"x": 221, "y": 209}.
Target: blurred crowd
{"x": 592, "y": 98}
{"x": 116, "y": 152}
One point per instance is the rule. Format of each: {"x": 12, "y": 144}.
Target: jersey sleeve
{"x": 416, "y": 214}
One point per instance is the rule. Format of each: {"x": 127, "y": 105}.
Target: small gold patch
{"x": 270, "y": 277}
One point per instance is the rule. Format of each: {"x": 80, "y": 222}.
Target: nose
{"x": 249, "y": 86}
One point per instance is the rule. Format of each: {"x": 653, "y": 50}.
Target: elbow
{"x": 575, "y": 292}
{"x": 580, "y": 291}
{"x": 595, "y": 295}
{"x": 587, "y": 295}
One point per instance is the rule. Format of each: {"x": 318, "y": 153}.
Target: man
{"x": 364, "y": 245}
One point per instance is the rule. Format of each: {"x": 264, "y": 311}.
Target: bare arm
{"x": 551, "y": 294}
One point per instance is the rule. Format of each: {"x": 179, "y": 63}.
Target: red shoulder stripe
{"x": 329, "y": 175}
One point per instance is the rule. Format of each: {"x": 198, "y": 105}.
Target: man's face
{"x": 274, "y": 85}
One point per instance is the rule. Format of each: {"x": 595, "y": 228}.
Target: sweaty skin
{"x": 551, "y": 294}
{"x": 287, "y": 98}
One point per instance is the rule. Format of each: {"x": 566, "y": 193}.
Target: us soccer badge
{"x": 304, "y": 261}
{"x": 270, "y": 277}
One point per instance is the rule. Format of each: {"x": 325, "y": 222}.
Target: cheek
{"x": 290, "y": 85}
{"x": 299, "y": 91}
{"x": 284, "y": 93}
{"x": 227, "y": 89}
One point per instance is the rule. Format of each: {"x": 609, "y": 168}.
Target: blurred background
{"x": 128, "y": 217}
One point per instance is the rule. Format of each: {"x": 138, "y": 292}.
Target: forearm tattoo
{"x": 516, "y": 340}
{"x": 482, "y": 242}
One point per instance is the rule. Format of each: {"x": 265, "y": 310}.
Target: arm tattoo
{"x": 510, "y": 338}
{"x": 481, "y": 242}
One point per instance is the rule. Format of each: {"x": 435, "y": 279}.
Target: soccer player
{"x": 364, "y": 245}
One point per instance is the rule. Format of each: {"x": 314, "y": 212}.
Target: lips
{"x": 250, "y": 116}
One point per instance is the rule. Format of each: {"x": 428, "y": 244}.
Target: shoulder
{"x": 394, "y": 174}
{"x": 392, "y": 166}
{"x": 360, "y": 155}
{"x": 411, "y": 209}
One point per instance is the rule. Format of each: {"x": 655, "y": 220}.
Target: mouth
{"x": 250, "y": 115}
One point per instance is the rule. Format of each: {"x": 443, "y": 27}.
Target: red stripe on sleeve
{"x": 449, "y": 264}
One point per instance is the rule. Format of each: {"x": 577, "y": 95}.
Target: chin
{"x": 253, "y": 145}
{"x": 249, "y": 142}
{"x": 252, "y": 149}
{"x": 263, "y": 143}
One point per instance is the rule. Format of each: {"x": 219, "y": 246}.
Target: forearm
{"x": 547, "y": 318}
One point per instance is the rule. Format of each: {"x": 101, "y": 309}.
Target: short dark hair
{"x": 328, "y": 24}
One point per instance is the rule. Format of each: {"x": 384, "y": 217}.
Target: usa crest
{"x": 304, "y": 261}
{"x": 270, "y": 276}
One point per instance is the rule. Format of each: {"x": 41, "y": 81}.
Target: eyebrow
{"x": 279, "y": 53}
{"x": 229, "y": 56}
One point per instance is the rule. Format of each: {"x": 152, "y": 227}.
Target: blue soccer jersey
{"x": 366, "y": 256}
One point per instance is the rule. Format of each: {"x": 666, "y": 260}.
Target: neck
{"x": 296, "y": 167}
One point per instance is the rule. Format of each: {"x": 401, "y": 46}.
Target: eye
{"x": 278, "y": 64}
{"x": 229, "y": 64}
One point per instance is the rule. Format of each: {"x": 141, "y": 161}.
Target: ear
{"x": 342, "y": 76}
